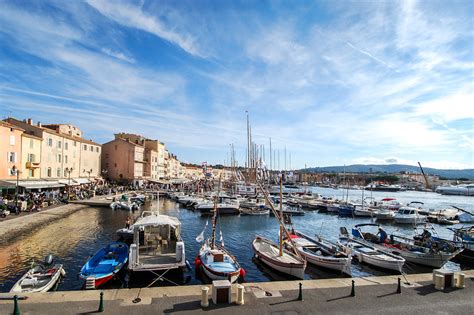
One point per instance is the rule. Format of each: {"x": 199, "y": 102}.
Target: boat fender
{"x": 359, "y": 257}
{"x": 242, "y": 273}
{"x": 63, "y": 272}
{"x": 188, "y": 265}
{"x": 197, "y": 262}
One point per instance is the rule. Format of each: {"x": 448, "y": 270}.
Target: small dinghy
{"x": 366, "y": 252}
{"x": 104, "y": 265}
{"x": 41, "y": 278}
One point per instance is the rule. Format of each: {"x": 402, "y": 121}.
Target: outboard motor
{"x": 48, "y": 260}
{"x": 343, "y": 231}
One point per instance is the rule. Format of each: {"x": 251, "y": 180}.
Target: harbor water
{"x": 73, "y": 239}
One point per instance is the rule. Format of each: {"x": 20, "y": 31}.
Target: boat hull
{"x": 18, "y": 288}
{"x": 292, "y": 269}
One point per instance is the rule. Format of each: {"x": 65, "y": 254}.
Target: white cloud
{"x": 118, "y": 55}
{"x": 132, "y": 16}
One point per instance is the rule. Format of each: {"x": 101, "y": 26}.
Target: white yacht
{"x": 464, "y": 190}
{"x": 157, "y": 244}
{"x": 409, "y": 215}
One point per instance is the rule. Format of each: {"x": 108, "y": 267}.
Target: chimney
{"x": 30, "y": 121}
{"x": 39, "y": 124}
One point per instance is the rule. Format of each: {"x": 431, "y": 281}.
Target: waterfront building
{"x": 30, "y": 157}
{"x": 64, "y": 153}
{"x": 124, "y": 160}
{"x": 155, "y": 157}
{"x": 10, "y": 149}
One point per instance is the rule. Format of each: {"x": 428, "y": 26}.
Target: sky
{"x": 333, "y": 82}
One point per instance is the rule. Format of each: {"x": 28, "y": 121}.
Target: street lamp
{"x": 16, "y": 172}
{"x": 89, "y": 173}
{"x": 69, "y": 171}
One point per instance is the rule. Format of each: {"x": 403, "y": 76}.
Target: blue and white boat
{"x": 104, "y": 265}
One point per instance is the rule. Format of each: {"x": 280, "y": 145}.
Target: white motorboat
{"x": 366, "y": 252}
{"x": 41, "y": 278}
{"x": 409, "y": 215}
{"x": 225, "y": 205}
{"x": 384, "y": 215}
{"x": 322, "y": 253}
{"x": 255, "y": 211}
{"x": 462, "y": 190}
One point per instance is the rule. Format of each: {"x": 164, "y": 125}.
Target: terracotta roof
{"x": 126, "y": 141}
{"x": 24, "y": 134}
{"x": 8, "y": 125}
{"x": 51, "y": 131}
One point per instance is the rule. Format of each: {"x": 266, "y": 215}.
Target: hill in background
{"x": 395, "y": 168}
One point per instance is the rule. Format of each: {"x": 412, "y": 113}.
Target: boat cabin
{"x": 157, "y": 244}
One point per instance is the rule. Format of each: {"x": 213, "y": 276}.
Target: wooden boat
{"x": 415, "y": 250}
{"x": 41, "y": 278}
{"x": 366, "y": 252}
{"x": 275, "y": 256}
{"x": 268, "y": 252}
{"x": 216, "y": 262}
{"x": 104, "y": 265}
{"x": 322, "y": 253}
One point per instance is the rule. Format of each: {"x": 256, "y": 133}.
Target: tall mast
{"x": 270, "y": 153}
{"x": 248, "y": 145}
{"x": 214, "y": 217}
{"x": 281, "y": 216}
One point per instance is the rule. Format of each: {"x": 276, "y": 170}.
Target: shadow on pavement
{"x": 194, "y": 306}
{"x": 340, "y": 298}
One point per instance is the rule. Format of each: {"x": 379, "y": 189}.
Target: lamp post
{"x": 89, "y": 173}
{"x": 16, "y": 172}
{"x": 69, "y": 171}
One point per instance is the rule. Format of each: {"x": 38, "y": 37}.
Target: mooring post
{"x": 353, "y": 289}
{"x": 300, "y": 294}
{"x": 101, "y": 303}
{"x": 16, "y": 309}
{"x": 399, "y": 287}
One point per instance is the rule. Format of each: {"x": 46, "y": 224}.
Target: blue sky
{"x": 335, "y": 82}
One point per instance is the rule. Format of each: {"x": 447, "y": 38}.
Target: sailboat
{"x": 274, "y": 255}
{"x": 216, "y": 262}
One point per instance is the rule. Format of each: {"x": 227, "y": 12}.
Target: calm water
{"x": 73, "y": 239}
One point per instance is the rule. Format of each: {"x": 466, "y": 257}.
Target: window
{"x": 48, "y": 171}
{"x": 59, "y": 144}
{"x": 65, "y": 145}
{"x": 85, "y": 147}
{"x": 12, "y": 139}
{"x": 65, "y": 173}
{"x": 58, "y": 172}
{"x": 59, "y": 158}
{"x": 92, "y": 148}
{"x": 115, "y": 147}
{"x": 65, "y": 159}
{"x": 11, "y": 157}
{"x": 50, "y": 142}
{"x": 115, "y": 164}
{"x": 32, "y": 144}
{"x": 31, "y": 173}
{"x": 74, "y": 143}
{"x": 31, "y": 157}
{"x": 97, "y": 149}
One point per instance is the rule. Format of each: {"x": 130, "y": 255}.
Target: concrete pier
{"x": 331, "y": 296}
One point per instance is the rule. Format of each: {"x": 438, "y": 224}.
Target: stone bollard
{"x": 439, "y": 282}
{"x": 459, "y": 280}
{"x": 101, "y": 303}
{"x": 240, "y": 294}
{"x": 353, "y": 289}
{"x": 399, "y": 287}
{"x": 16, "y": 309}
{"x": 204, "y": 296}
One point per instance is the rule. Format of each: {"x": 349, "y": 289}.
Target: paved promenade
{"x": 330, "y": 296}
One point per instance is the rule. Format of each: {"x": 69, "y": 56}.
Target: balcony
{"x": 32, "y": 165}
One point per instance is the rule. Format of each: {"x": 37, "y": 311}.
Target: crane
{"x": 426, "y": 177}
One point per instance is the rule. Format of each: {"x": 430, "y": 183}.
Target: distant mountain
{"x": 395, "y": 168}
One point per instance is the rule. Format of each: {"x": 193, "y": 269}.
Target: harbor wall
{"x": 12, "y": 228}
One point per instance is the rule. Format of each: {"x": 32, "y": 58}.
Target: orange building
{"x": 10, "y": 149}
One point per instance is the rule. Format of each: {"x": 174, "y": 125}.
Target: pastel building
{"x": 63, "y": 152}
{"x": 123, "y": 160}
{"x": 30, "y": 156}
{"x": 10, "y": 150}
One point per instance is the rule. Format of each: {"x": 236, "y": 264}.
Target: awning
{"x": 67, "y": 182}
{"x": 6, "y": 185}
{"x": 179, "y": 180}
{"x": 40, "y": 184}
{"x": 159, "y": 181}
{"x": 81, "y": 181}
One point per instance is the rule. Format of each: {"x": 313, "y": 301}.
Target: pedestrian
{"x": 127, "y": 223}
{"x": 383, "y": 235}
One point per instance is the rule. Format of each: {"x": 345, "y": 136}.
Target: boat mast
{"x": 281, "y": 217}
{"x": 214, "y": 217}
